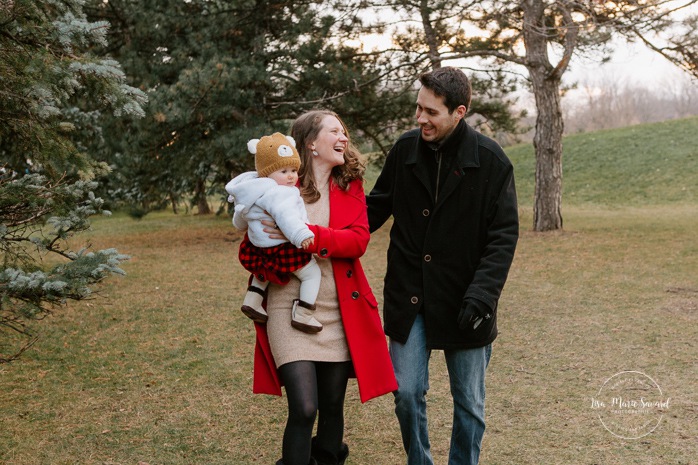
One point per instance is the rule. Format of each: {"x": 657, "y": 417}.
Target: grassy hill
{"x": 648, "y": 164}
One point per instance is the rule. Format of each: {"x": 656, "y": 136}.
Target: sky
{"x": 632, "y": 66}
{"x": 633, "y": 63}
{"x": 636, "y": 63}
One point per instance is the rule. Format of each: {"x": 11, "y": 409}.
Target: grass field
{"x": 652, "y": 164}
{"x": 157, "y": 368}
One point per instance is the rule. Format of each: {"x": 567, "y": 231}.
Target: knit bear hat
{"x": 274, "y": 152}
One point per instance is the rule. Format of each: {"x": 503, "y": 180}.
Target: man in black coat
{"x": 451, "y": 193}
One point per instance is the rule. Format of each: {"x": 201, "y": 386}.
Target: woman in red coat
{"x": 315, "y": 368}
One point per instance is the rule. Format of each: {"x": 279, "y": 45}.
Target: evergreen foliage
{"x": 219, "y": 73}
{"x": 53, "y": 93}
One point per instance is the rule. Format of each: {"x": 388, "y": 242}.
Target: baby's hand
{"x": 307, "y": 243}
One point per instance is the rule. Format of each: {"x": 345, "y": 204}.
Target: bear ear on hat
{"x": 291, "y": 141}
{"x": 252, "y": 146}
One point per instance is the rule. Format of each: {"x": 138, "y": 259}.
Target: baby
{"x": 270, "y": 193}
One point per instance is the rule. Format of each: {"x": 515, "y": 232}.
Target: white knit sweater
{"x": 258, "y": 199}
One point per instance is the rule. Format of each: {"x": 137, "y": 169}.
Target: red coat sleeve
{"x": 347, "y": 235}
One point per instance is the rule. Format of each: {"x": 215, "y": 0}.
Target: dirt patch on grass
{"x": 683, "y": 302}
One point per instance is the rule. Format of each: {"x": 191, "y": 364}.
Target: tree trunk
{"x": 173, "y": 200}
{"x": 430, "y": 35}
{"x": 203, "y": 206}
{"x": 201, "y": 200}
{"x": 547, "y": 141}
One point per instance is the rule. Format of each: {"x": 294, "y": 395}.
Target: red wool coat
{"x": 344, "y": 241}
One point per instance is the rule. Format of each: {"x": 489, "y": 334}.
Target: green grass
{"x": 157, "y": 368}
{"x": 653, "y": 164}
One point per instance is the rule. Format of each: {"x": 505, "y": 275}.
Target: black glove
{"x": 472, "y": 314}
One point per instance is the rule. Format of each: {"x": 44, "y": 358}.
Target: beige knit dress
{"x": 289, "y": 344}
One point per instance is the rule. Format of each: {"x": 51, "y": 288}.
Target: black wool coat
{"x": 449, "y": 247}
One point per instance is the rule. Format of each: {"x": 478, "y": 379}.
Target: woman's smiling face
{"x": 331, "y": 142}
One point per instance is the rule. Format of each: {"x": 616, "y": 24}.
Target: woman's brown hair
{"x": 305, "y": 131}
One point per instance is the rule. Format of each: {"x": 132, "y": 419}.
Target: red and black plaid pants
{"x": 272, "y": 264}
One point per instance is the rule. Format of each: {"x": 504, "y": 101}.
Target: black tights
{"x": 313, "y": 388}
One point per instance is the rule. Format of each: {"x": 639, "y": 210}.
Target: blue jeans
{"x": 466, "y": 371}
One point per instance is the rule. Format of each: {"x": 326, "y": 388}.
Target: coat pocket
{"x": 371, "y": 299}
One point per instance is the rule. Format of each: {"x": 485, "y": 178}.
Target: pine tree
{"x": 53, "y": 92}
{"x": 219, "y": 73}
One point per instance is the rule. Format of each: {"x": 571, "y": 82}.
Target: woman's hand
{"x": 273, "y": 230}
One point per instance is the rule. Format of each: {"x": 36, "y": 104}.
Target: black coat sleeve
{"x": 501, "y": 238}
{"x": 380, "y": 199}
